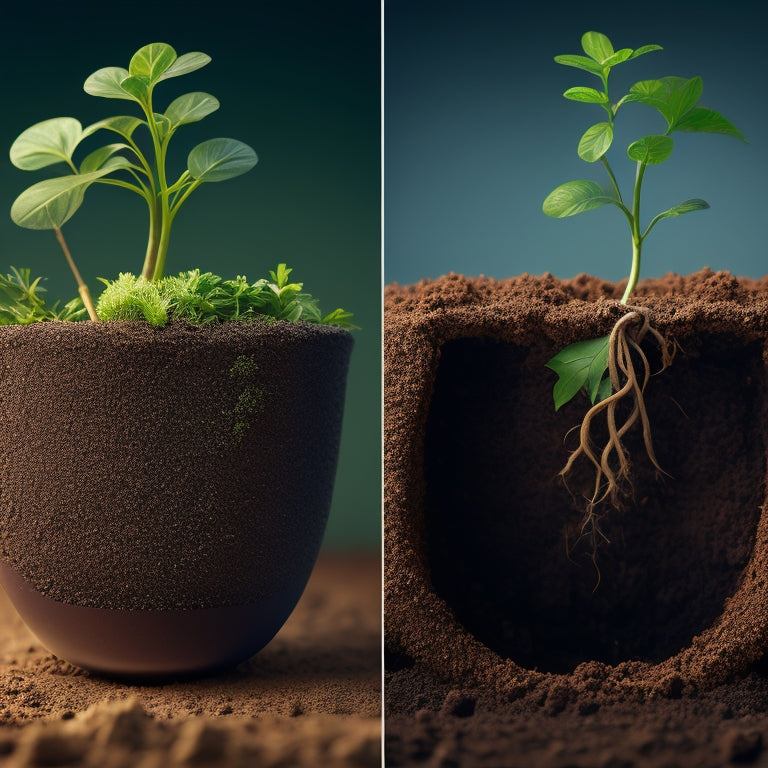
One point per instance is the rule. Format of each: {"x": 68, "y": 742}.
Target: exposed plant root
{"x": 611, "y": 464}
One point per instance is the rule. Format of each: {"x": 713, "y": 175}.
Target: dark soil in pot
{"x": 489, "y": 595}
{"x": 168, "y": 472}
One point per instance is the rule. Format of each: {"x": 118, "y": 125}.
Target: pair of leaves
{"x": 601, "y": 55}
{"x": 582, "y": 195}
{"x": 51, "y": 203}
{"x": 582, "y": 365}
{"x": 151, "y": 64}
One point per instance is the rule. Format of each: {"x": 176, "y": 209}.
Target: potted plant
{"x": 168, "y": 463}
{"x": 483, "y": 581}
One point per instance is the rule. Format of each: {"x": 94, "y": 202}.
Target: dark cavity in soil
{"x": 498, "y": 517}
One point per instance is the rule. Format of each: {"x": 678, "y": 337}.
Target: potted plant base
{"x": 487, "y": 581}
{"x": 164, "y": 492}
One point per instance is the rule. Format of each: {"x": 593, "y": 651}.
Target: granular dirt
{"x": 135, "y": 460}
{"x": 500, "y": 650}
{"x": 310, "y": 698}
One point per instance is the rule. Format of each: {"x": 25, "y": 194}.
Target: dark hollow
{"x": 502, "y": 530}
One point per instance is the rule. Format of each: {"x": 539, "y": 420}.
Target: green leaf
{"x": 651, "y": 149}
{"x": 643, "y": 49}
{"x": 580, "y": 62}
{"x": 695, "y": 204}
{"x": 619, "y": 57}
{"x": 707, "y": 121}
{"x": 341, "y": 318}
{"x": 595, "y": 142}
{"x": 685, "y": 98}
{"x": 280, "y": 276}
{"x": 671, "y": 96}
{"x": 138, "y": 87}
{"x": 163, "y": 125}
{"x": 575, "y": 197}
{"x": 604, "y": 391}
{"x": 151, "y": 61}
{"x": 579, "y": 365}
{"x": 106, "y": 83}
{"x": 96, "y": 160}
{"x": 597, "y": 46}
{"x": 43, "y": 144}
{"x": 190, "y": 108}
{"x": 52, "y": 202}
{"x": 586, "y": 95}
{"x": 125, "y": 125}
{"x": 220, "y": 159}
{"x": 185, "y": 64}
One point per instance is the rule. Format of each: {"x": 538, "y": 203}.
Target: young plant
{"x": 191, "y": 296}
{"x": 606, "y": 369}
{"x": 50, "y": 203}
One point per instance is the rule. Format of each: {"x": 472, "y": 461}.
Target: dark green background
{"x": 299, "y": 82}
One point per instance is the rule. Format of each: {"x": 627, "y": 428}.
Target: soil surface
{"x": 502, "y": 648}
{"x": 311, "y": 697}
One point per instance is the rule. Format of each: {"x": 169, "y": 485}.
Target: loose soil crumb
{"x": 499, "y": 653}
{"x": 311, "y": 697}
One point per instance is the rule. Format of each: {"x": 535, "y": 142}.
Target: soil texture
{"x": 502, "y": 647}
{"x": 311, "y": 697}
{"x": 156, "y": 454}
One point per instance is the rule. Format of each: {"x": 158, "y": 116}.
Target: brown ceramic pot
{"x": 485, "y": 580}
{"x": 164, "y": 492}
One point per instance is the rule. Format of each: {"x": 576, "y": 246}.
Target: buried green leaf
{"x": 579, "y": 366}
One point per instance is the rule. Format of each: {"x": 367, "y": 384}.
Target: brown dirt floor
{"x": 312, "y": 697}
{"x": 499, "y": 654}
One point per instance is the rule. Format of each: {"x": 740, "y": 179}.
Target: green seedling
{"x": 606, "y": 368}
{"x": 49, "y": 204}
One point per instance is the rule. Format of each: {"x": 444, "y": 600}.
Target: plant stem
{"x": 613, "y": 178}
{"x": 155, "y": 260}
{"x": 637, "y": 238}
{"x": 148, "y": 270}
{"x": 637, "y": 247}
{"x": 162, "y": 250}
{"x": 82, "y": 288}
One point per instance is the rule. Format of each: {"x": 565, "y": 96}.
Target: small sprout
{"x": 604, "y": 368}
{"x": 50, "y": 203}
{"x": 191, "y": 296}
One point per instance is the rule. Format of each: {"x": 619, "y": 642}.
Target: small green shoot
{"x": 21, "y": 301}
{"x": 202, "y": 297}
{"x": 50, "y": 203}
{"x": 676, "y": 99}
{"x": 192, "y": 296}
{"x": 604, "y": 368}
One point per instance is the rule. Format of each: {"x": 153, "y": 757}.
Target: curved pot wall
{"x": 179, "y": 471}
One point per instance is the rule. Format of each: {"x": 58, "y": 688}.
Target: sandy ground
{"x": 312, "y": 697}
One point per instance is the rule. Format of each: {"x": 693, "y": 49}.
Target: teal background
{"x": 477, "y": 133}
{"x": 297, "y": 80}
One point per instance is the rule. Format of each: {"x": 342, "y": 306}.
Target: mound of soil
{"x": 311, "y": 697}
{"x": 493, "y": 622}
